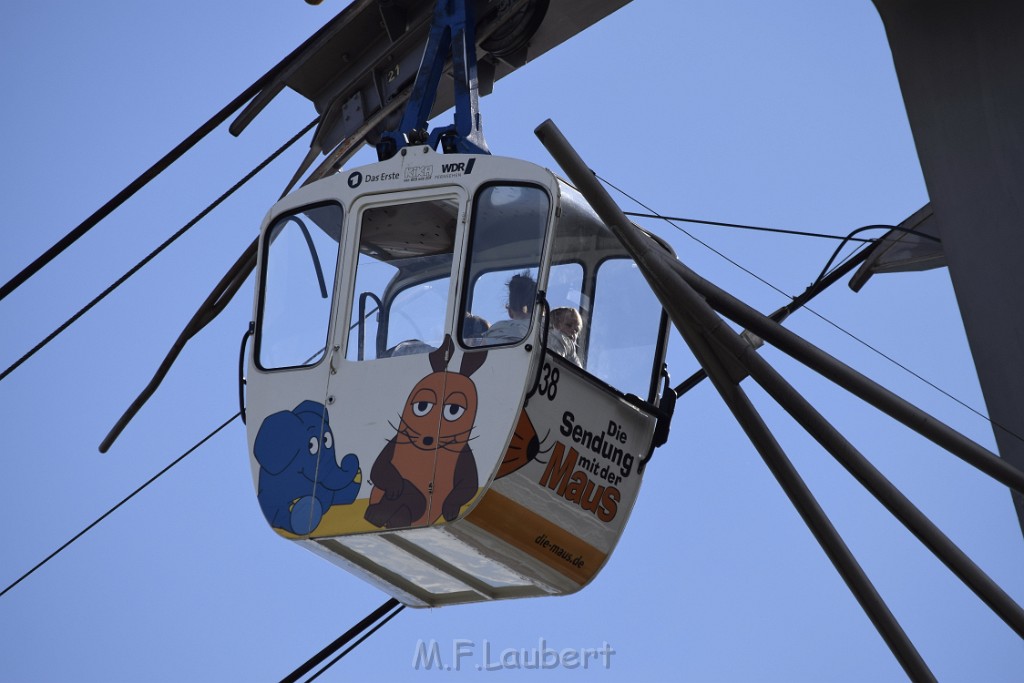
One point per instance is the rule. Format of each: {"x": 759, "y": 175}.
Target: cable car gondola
{"x": 417, "y": 413}
{"x": 411, "y": 419}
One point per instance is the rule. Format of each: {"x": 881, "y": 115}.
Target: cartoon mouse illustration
{"x": 299, "y": 476}
{"x": 428, "y": 470}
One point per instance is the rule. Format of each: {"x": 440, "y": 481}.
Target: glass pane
{"x": 402, "y": 279}
{"x": 624, "y": 329}
{"x": 298, "y": 283}
{"x": 508, "y": 236}
{"x": 417, "y": 312}
{"x": 502, "y": 306}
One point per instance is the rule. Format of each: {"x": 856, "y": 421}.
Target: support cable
{"x": 849, "y": 237}
{"x": 153, "y": 254}
{"x": 694, "y": 379}
{"x": 161, "y": 165}
{"x": 123, "y": 501}
{"x": 354, "y": 645}
{"x": 798, "y": 302}
{"x": 925, "y": 380}
{"x": 343, "y": 639}
{"x": 781, "y": 231}
{"x": 695, "y": 238}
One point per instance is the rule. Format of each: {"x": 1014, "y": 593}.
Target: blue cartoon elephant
{"x": 300, "y": 477}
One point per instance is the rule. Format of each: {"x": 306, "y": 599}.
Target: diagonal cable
{"x": 740, "y": 226}
{"x": 356, "y": 644}
{"x": 153, "y": 254}
{"x": 172, "y": 156}
{"x": 123, "y": 501}
{"x": 342, "y": 640}
{"x": 698, "y": 376}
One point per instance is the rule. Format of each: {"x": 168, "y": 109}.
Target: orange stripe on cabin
{"x": 536, "y": 536}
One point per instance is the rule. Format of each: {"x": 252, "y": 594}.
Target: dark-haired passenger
{"x": 522, "y": 292}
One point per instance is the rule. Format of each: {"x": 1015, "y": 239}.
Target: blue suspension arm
{"x": 452, "y": 31}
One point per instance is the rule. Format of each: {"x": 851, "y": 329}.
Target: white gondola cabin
{"x": 412, "y": 419}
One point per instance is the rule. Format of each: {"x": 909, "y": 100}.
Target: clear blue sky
{"x": 783, "y": 113}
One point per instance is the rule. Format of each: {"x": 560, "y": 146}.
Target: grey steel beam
{"x": 959, "y": 69}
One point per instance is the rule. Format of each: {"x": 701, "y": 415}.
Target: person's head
{"x": 474, "y": 326}
{"x": 522, "y": 292}
{"x": 567, "y": 321}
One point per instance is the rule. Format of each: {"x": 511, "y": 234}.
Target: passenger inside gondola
{"x": 522, "y": 292}
{"x": 474, "y": 326}
{"x": 566, "y": 324}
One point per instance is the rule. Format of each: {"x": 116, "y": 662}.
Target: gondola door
{"x": 388, "y": 381}
{"x": 291, "y": 442}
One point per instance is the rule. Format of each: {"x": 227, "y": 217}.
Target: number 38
{"x": 548, "y": 381}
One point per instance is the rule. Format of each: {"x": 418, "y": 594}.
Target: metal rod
{"x": 812, "y": 513}
{"x": 856, "y": 383}
{"x": 887, "y": 493}
{"x": 208, "y": 310}
{"x": 843, "y": 451}
{"x": 816, "y": 519}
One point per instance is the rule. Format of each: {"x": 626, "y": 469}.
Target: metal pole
{"x": 881, "y": 488}
{"x": 811, "y": 512}
{"x": 856, "y": 383}
{"x": 751, "y": 422}
{"x": 843, "y": 451}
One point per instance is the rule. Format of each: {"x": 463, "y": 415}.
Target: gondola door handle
{"x": 241, "y": 370}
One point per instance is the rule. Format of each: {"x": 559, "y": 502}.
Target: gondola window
{"x": 402, "y": 278}
{"x": 300, "y": 262}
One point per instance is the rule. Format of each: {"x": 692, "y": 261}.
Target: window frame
{"x": 332, "y": 286}
{"x": 660, "y": 341}
{"x": 358, "y": 207}
{"x": 467, "y": 286}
